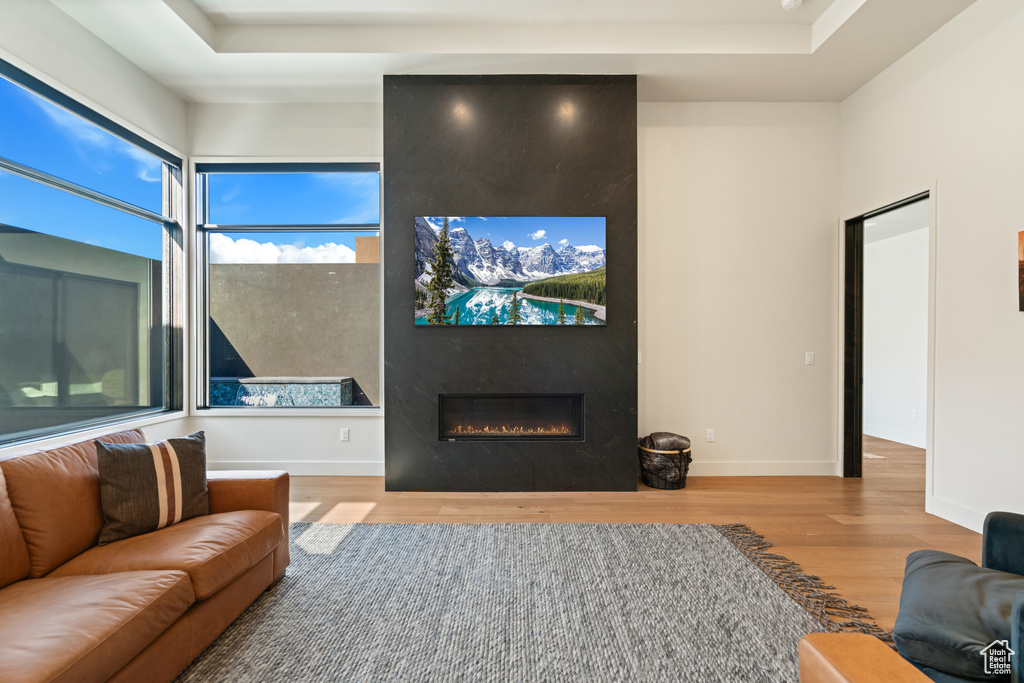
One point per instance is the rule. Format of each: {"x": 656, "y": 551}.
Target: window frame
{"x": 171, "y": 221}
{"x": 198, "y": 166}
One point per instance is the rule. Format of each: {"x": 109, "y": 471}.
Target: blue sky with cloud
{"x": 291, "y": 247}
{"x": 40, "y": 134}
{"x": 533, "y": 231}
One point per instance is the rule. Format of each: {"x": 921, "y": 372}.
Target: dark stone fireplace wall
{"x": 511, "y": 149}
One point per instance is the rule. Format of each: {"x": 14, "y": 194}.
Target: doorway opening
{"x": 886, "y": 333}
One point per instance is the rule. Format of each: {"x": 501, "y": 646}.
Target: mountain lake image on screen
{"x": 510, "y": 270}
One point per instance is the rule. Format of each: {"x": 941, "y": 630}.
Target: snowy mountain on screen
{"x": 488, "y": 264}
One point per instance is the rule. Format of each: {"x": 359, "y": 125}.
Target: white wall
{"x": 346, "y": 130}
{"x": 38, "y": 37}
{"x": 300, "y": 445}
{"x": 896, "y": 337}
{"x": 738, "y": 279}
{"x": 950, "y": 113}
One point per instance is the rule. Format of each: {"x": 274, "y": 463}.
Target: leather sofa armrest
{"x": 249, "y": 490}
{"x": 1002, "y": 544}
{"x": 853, "y": 658}
{"x": 268, "y": 490}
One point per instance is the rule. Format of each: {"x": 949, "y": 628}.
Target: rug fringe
{"x": 831, "y": 610}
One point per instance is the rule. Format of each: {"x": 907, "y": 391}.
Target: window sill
{"x": 332, "y": 412}
{"x": 70, "y": 437}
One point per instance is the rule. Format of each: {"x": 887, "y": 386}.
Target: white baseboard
{"x": 307, "y": 468}
{"x": 375, "y": 468}
{"x": 908, "y": 438}
{"x": 765, "y": 469}
{"x": 966, "y": 517}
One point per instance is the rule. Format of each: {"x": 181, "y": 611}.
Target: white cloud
{"x": 455, "y": 219}
{"x": 353, "y": 180}
{"x": 84, "y": 134}
{"x": 73, "y": 125}
{"x": 508, "y": 245}
{"x": 539, "y": 235}
{"x": 223, "y": 249}
{"x": 481, "y": 218}
{"x": 359, "y": 193}
{"x": 564, "y": 243}
{"x": 230, "y": 195}
{"x": 149, "y": 168}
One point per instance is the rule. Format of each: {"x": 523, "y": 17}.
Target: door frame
{"x": 850, "y": 337}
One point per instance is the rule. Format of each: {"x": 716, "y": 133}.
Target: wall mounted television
{"x": 510, "y": 270}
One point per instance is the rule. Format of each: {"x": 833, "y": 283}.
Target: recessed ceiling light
{"x": 462, "y": 112}
{"x": 567, "y": 112}
{"x": 790, "y": 5}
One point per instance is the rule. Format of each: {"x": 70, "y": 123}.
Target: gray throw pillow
{"x": 145, "y": 487}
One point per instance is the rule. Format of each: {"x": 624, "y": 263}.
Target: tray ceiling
{"x": 682, "y": 50}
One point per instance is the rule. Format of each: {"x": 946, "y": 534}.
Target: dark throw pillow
{"x": 145, "y": 487}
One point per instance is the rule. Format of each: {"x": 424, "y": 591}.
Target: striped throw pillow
{"x": 145, "y": 487}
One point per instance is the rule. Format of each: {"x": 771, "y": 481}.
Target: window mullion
{"x": 53, "y": 181}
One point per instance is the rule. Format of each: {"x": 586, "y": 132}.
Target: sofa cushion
{"x": 145, "y": 487}
{"x": 213, "y": 549}
{"x": 85, "y": 628}
{"x": 56, "y": 497}
{"x": 950, "y": 610}
{"x": 14, "y": 564}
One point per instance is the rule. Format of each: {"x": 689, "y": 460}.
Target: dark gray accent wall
{"x": 297, "y": 320}
{"x": 510, "y": 146}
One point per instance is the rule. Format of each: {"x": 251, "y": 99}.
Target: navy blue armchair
{"x": 961, "y": 622}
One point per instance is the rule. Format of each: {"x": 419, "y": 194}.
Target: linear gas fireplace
{"x": 534, "y": 417}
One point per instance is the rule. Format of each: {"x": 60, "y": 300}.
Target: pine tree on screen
{"x": 442, "y": 281}
{"x": 514, "y": 317}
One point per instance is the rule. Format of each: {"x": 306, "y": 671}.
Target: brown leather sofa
{"x": 139, "y": 609}
{"x": 853, "y": 658}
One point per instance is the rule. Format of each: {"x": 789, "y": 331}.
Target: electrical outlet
{"x": 913, "y": 415}
{"x": 711, "y": 435}
{"x": 344, "y": 433}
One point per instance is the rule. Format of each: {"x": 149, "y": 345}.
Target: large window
{"x": 291, "y": 285}
{"x": 87, "y": 222}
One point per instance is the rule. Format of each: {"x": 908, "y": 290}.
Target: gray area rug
{"x": 526, "y": 602}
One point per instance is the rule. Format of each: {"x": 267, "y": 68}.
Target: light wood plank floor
{"x": 853, "y": 533}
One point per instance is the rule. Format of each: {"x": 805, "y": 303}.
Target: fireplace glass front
{"x": 537, "y": 417}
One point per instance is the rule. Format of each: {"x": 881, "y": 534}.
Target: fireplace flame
{"x": 511, "y": 429}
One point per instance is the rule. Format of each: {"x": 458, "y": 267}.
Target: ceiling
{"x": 916, "y": 216}
{"x": 682, "y": 50}
{"x": 476, "y": 11}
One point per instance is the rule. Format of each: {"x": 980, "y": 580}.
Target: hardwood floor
{"x": 853, "y": 533}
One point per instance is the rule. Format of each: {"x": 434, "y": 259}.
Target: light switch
{"x": 809, "y": 358}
